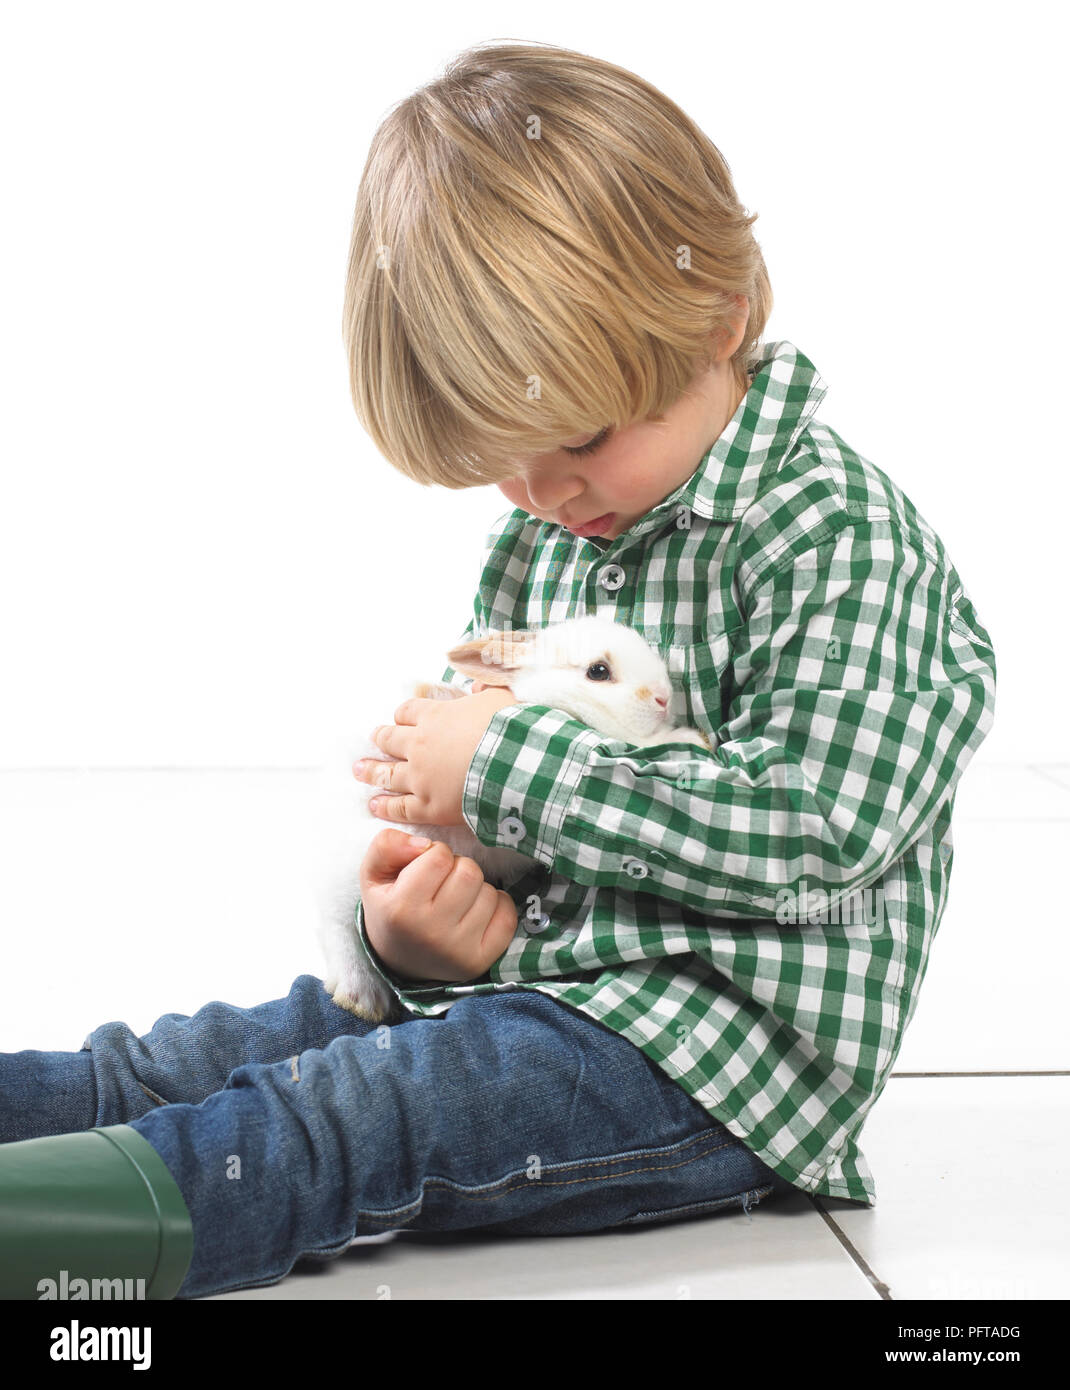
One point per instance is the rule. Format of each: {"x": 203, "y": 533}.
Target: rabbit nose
{"x": 661, "y": 700}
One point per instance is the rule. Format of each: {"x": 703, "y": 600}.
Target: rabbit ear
{"x": 493, "y": 659}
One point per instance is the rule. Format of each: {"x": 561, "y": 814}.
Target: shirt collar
{"x": 785, "y": 391}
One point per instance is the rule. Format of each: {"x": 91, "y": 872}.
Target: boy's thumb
{"x": 391, "y": 850}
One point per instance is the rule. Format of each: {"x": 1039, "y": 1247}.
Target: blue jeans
{"x": 291, "y": 1127}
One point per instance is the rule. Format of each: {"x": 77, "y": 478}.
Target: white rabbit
{"x": 593, "y": 669}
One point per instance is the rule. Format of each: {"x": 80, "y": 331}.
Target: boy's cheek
{"x": 515, "y": 492}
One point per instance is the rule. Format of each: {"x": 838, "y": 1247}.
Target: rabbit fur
{"x": 593, "y": 669}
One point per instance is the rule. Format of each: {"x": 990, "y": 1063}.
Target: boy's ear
{"x": 493, "y": 659}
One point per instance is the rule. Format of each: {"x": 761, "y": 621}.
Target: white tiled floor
{"x": 128, "y": 894}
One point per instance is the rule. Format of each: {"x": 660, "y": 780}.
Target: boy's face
{"x": 624, "y": 475}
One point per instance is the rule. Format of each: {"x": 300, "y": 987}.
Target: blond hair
{"x": 542, "y": 246}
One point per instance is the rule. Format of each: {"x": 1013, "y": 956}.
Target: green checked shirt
{"x": 756, "y": 917}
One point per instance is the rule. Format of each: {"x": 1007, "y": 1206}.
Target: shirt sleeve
{"x": 861, "y": 683}
{"x": 449, "y": 675}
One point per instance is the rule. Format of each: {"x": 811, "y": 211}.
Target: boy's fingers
{"x": 457, "y": 894}
{"x": 423, "y": 873}
{"x": 390, "y": 806}
{"x": 480, "y": 935}
{"x": 499, "y": 931}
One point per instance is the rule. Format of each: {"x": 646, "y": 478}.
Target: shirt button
{"x": 612, "y": 577}
{"x": 511, "y": 830}
{"x": 635, "y": 868}
{"x": 533, "y": 928}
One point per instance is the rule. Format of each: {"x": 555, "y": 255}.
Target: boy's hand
{"x": 430, "y": 914}
{"x": 436, "y": 740}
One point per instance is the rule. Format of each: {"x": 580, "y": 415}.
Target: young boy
{"x": 699, "y": 992}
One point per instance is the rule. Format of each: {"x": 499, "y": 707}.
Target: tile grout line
{"x": 916, "y": 1074}
{"x": 882, "y": 1288}
{"x": 166, "y": 767}
{"x": 1039, "y": 770}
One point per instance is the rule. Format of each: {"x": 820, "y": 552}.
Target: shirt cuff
{"x": 522, "y": 777}
{"x": 395, "y": 982}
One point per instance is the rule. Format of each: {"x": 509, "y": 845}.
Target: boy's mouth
{"x": 595, "y": 527}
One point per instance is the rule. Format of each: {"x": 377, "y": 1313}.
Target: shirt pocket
{"x": 702, "y": 679}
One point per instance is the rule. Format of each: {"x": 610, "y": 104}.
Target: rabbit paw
{"x": 367, "y": 998}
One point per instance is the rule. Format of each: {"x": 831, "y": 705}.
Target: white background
{"x": 201, "y": 554}
{"x": 203, "y": 561}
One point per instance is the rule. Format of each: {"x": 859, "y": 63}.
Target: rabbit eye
{"x": 599, "y": 671}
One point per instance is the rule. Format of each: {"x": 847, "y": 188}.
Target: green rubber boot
{"x": 100, "y": 1207}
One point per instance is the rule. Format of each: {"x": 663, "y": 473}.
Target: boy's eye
{"x": 592, "y": 444}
